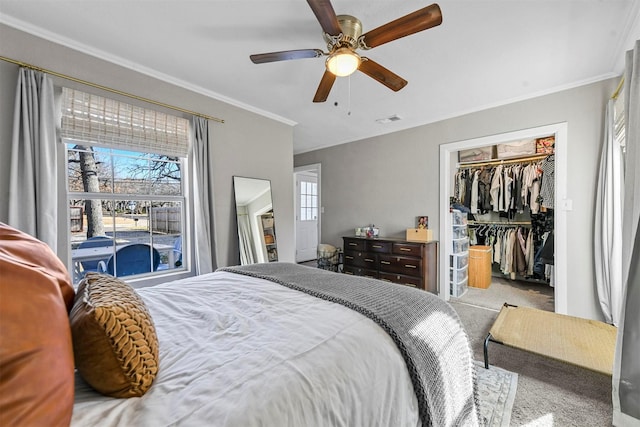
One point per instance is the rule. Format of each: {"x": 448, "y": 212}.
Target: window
{"x": 308, "y": 201}
{"x": 125, "y": 192}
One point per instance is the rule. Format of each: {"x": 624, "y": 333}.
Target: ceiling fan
{"x": 343, "y": 35}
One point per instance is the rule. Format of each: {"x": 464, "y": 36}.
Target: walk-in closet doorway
{"x": 448, "y": 168}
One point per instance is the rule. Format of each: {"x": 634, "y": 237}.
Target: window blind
{"x": 94, "y": 120}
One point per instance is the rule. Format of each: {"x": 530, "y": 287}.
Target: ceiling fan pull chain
{"x": 349, "y": 97}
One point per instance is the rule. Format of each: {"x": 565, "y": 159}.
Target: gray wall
{"x": 391, "y": 179}
{"x": 247, "y": 144}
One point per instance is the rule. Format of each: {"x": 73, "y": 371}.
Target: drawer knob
{"x": 353, "y": 244}
{"x": 405, "y": 249}
{"x": 410, "y": 266}
{"x": 368, "y": 260}
{"x": 377, "y": 246}
{"x": 385, "y": 262}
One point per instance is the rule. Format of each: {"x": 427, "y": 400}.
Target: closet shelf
{"x": 472, "y": 222}
{"x": 495, "y": 162}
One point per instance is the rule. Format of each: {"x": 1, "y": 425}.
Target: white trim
{"x": 447, "y": 163}
{"x": 459, "y": 113}
{"x": 117, "y": 60}
{"x": 83, "y": 48}
{"x": 317, "y": 168}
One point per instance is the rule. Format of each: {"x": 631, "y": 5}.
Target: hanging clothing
{"x": 512, "y": 247}
{"x": 535, "y": 197}
{"x": 497, "y": 247}
{"x": 509, "y": 189}
{"x": 505, "y": 200}
{"x": 474, "y": 193}
{"x": 547, "y": 250}
{"x": 496, "y": 185}
{"x": 520, "y": 249}
{"x": 468, "y": 189}
{"x": 484, "y": 189}
{"x": 518, "y": 200}
{"x": 547, "y": 190}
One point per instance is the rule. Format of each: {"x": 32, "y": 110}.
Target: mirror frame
{"x": 255, "y": 220}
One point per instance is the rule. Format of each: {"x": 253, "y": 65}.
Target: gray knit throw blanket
{"x": 427, "y": 331}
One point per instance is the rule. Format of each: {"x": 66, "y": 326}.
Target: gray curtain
{"x": 205, "y": 254}
{"x": 608, "y": 223}
{"x": 626, "y": 373}
{"x": 33, "y": 193}
{"x": 246, "y": 241}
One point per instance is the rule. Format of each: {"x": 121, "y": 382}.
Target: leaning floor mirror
{"x": 256, "y": 222}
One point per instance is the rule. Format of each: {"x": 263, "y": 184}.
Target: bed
{"x": 280, "y": 344}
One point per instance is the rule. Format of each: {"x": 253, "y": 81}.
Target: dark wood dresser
{"x": 394, "y": 260}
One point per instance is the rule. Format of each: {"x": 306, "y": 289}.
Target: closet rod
{"x": 503, "y": 161}
{"x": 108, "y": 89}
{"x": 499, "y": 222}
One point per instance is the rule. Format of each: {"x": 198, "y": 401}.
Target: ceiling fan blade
{"x": 381, "y": 74}
{"x": 326, "y": 16}
{"x": 261, "y": 58}
{"x": 326, "y": 83}
{"x": 412, "y": 23}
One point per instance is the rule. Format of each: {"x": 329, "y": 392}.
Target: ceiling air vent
{"x": 386, "y": 120}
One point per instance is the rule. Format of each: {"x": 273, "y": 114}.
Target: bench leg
{"x": 486, "y": 351}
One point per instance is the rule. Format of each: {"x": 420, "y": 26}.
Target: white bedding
{"x": 242, "y": 351}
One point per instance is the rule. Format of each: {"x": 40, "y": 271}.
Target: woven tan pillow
{"x": 114, "y": 340}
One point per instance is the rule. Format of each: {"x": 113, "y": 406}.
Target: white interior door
{"x": 307, "y": 215}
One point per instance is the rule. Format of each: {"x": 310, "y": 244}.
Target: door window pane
{"x": 308, "y": 201}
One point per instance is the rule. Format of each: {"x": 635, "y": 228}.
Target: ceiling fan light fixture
{"x": 343, "y": 62}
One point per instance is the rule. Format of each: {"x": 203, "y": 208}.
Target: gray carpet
{"x": 520, "y": 293}
{"x": 549, "y": 392}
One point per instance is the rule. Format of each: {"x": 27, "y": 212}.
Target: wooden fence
{"x": 166, "y": 220}
{"x": 77, "y": 219}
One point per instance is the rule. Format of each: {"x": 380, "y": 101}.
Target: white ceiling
{"x": 485, "y": 53}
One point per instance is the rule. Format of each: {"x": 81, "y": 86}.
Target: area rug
{"x": 496, "y": 393}
{"x": 582, "y": 342}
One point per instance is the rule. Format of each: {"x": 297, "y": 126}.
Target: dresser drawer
{"x": 354, "y": 244}
{"x": 398, "y": 264}
{"x": 380, "y": 247}
{"x": 402, "y": 279}
{"x": 407, "y": 249}
{"x": 360, "y": 259}
{"x": 412, "y": 263}
{"x": 358, "y": 271}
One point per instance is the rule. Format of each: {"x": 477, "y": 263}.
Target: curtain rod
{"x": 617, "y": 92}
{"x": 503, "y": 161}
{"x": 108, "y": 89}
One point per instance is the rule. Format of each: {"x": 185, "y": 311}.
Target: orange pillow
{"x": 36, "y": 356}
